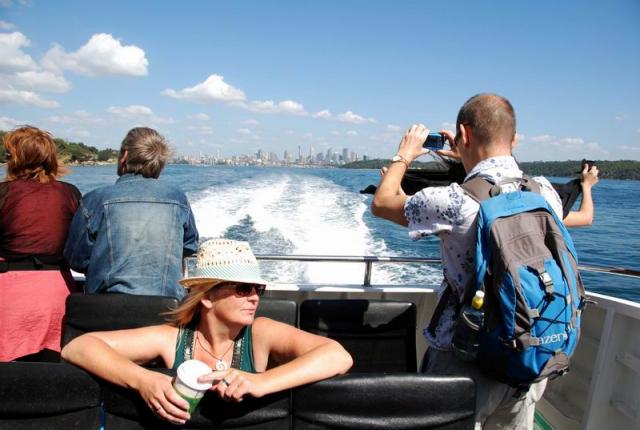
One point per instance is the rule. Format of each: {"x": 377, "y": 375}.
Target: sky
{"x": 230, "y": 78}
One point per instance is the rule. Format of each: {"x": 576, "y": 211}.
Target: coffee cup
{"x": 186, "y": 383}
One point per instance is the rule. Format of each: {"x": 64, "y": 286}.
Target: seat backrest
{"x": 285, "y": 311}
{"x": 391, "y": 401}
{"x": 100, "y": 312}
{"x": 47, "y": 396}
{"x": 380, "y": 335}
{"x": 124, "y": 409}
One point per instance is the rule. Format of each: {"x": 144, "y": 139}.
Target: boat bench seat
{"x": 62, "y": 396}
{"x": 100, "y": 312}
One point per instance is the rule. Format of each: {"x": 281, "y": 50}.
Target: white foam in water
{"x": 314, "y": 214}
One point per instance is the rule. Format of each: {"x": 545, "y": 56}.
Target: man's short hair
{"x": 491, "y": 118}
{"x": 147, "y": 152}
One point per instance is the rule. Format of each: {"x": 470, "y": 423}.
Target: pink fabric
{"x": 31, "y": 311}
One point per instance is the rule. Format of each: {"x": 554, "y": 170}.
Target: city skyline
{"x": 329, "y": 158}
{"x": 237, "y": 77}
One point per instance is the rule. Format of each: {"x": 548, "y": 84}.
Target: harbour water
{"x": 320, "y": 211}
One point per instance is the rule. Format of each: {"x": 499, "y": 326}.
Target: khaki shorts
{"x": 496, "y": 406}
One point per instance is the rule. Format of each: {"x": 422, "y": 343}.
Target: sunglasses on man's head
{"x": 244, "y": 290}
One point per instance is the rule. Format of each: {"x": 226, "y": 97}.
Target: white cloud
{"x": 542, "y": 138}
{"x": 8, "y": 3}
{"x": 335, "y": 133}
{"x": 130, "y": 110}
{"x": 200, "y": 129}
{"x": 249, "y": 122}
{"x": 289, "y": 106}
{"x": 269, "y": 106}
{"x": 448, "y": 126}
{"x": 202, "y": 117}
{"x": 324, "y": 114}
{"x": 623, "y": 147}
{"x": 353, "y": 118}
{"x": 7, "y": 26}
{"x": 212, "y": 90}
{"x": 622, "y": 117}
{"x": 12, "y": 58}
{"x": 572, "y": 141}
{"x": 7, "y": 123}
{"x": 139, "y": 112}
{"x": 38, "y": 81}
{"x": 101, "y": 55}
{"x": 9, "y": 95}
{"x": 77, "y": 132}
{"x": 78, "y": 117}
{"x": 520, "y": 137}
{"x": 393, "y": 128}
{"x": 307, "y": 136}
{"x": 244, "y": 131}
{"x": 351, "y": 133}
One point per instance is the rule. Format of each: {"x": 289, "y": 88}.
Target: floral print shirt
{"x": 451, "y": 214}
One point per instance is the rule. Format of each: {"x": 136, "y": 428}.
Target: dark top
{"x": 242, "y": 350}
{"x": 35, "y": 218}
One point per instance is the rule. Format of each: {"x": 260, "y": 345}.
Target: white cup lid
{"x": 190, "y": 370}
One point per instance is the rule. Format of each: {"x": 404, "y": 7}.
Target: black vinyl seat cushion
{"x": 47, "y": 396}
{"x": 100, "y": 312}
{"x": 380, "y": 335}
{"x": 284, "y": 311}
{"x": 125, "y": 409}
{"x": 391, "y": 401}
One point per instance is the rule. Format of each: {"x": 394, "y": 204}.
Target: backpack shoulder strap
{"x": 478, "y": 188}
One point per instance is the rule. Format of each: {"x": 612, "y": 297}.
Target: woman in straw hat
{"x": 215, "y": 324}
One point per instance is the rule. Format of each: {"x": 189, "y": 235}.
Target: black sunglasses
{"x": 244, "y": 290}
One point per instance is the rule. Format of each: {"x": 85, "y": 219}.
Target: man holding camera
{"x": 485, "y": 136}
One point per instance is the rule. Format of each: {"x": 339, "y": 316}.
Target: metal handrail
{"x": 369, "y": 260}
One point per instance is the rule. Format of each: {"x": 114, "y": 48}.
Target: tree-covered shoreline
{"x": 72, "y": 152}
{"x": 619, "y": 169}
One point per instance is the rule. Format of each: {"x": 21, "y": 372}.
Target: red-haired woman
{"x": 35, "y": 212}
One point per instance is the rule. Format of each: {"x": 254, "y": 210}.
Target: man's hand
{"x": 453, "y": 152}
{"x": 589, "y": 176}
{"x": 410, "y": 146}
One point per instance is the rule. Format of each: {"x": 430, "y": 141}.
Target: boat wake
{"x": 281, "y": 213}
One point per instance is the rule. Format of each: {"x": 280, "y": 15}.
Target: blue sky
{"x": 235, "y": 77}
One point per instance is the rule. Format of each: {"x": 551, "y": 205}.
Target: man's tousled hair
{"x": 491, "y": 117}
{"x": 147, "y": 152}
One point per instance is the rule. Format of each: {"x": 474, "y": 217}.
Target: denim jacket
{"x": 130, "y": 237}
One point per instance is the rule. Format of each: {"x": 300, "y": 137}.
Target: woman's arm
{"x": 307, "y": 358}
{"x": 112, "y": 355}
{"x": 584, "y": 215}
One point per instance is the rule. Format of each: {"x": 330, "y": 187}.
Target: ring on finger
{"x": 225, "y": 382}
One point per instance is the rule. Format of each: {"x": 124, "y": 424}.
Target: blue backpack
{"x": 527, "y": 266}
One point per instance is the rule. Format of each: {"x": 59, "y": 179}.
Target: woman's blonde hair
{"x": 189, "y": 309}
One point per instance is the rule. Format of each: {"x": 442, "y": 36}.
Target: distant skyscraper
{"x": 345, "y": 155}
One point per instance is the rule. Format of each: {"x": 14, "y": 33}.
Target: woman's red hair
{"x": 31, "y": 154}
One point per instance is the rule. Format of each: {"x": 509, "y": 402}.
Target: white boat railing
{"x": 369, "y": 260}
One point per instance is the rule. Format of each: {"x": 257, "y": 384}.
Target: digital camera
{"x": 434, "y": 141}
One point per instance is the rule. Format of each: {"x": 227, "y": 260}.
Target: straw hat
{"x": 225, "y": 260}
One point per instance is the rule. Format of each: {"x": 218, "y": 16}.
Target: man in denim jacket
{"x": 130, "y": 237}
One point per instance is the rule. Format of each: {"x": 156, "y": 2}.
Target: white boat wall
{"x": 602, "y": 388}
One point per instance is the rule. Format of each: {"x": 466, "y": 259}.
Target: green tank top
{"x": 242, "y": 350}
